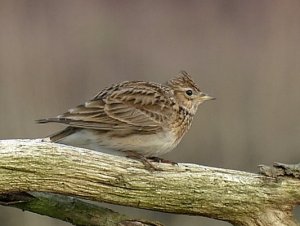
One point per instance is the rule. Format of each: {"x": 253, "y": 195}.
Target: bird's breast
{"x": 181, "y": 123}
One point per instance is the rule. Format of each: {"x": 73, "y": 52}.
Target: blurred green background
{"x": 57, "y": 54}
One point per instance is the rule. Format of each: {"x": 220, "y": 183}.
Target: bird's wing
{"x": 130, "y": 105}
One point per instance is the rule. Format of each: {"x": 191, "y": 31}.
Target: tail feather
{"x": 46, "y": 120}
{"x": 62, "y": 134}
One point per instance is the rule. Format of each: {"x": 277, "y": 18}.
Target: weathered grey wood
{"x": 238, "y": 197}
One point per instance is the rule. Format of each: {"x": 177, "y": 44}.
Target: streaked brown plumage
{"x": 145, "y": 118}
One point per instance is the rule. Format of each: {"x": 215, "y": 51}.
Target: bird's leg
{"x": 148, "y": 165}
{"x": 157, "y": 159}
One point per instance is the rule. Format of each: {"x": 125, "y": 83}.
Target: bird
{"x": 137, "y": 119}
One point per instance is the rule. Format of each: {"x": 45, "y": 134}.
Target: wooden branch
{"x": 241, "y": 198}
{"x": 70, "y": 209}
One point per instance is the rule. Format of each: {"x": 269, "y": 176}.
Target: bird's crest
{"x": 183, "y": 80}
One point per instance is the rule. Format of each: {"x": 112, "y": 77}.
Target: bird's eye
{"x": 189, "y": 92}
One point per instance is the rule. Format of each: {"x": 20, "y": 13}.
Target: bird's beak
{"x": 206, "y": 97}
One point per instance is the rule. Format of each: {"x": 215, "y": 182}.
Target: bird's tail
{"x": 46, "y": 120}
{"x": 56, "y": 137}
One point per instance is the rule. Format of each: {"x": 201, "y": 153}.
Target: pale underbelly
{"x": 146, "y": 144}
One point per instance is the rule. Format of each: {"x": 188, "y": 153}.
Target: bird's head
{"x": 187, "y": 93}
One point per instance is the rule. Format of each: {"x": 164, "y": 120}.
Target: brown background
{"x": 57, "y": 54}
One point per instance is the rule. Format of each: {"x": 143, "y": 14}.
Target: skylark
{"x": 133, "y": 118}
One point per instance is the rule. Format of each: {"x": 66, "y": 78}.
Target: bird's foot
{"x": 147, "y": 163}
{"x": 160, "y": 160}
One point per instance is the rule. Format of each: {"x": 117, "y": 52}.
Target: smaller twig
{"x": 15, "y": 198}
{"x": 70, "y": 209}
